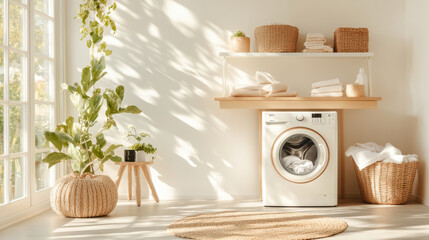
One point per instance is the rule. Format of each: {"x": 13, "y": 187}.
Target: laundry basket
{"x": 386, "y": 182}
{"x": 276, "y": 38}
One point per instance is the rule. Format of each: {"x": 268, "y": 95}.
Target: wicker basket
{"x": 386, "y": 183}
{"x": 351, "y": 40}
{"x": 82, "y": 197}
{"x": 276, "y": 38}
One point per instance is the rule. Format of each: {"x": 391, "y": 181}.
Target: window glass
{"x": 16, "y": 75}
{"x": 16, "y": 26}
{"x": 43, "y": 35}
{"x": 44, "y": 6}
{"x": 43, "y": 113}
{"x": 1, "y": 74}
{"x": 43, "y": 71}
{"x": 16, "y": 128}
{"x": 43, "y": 176}
{"x": 1, "y": 181}
{"x": 1, "y": 22}
{"x": 16, "y": 186}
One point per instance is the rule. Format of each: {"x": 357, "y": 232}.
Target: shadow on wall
{"x": 166, "y": 55}
{"x": 174, "y": 84}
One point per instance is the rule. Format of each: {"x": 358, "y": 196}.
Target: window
{"x": 27, "y": 100}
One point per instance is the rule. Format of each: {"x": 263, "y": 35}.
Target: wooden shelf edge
{"x": 297, "y": 54}
{"x": 297, "y": 98}
{"x": 295, "y": 103}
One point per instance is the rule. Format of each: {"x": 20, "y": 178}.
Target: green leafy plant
{"x": 238, "y": 34}
{"x": 139, "y": 137}
{"x": 81, "y": 139}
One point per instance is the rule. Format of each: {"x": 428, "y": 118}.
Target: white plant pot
{"x": 141, "y": 156}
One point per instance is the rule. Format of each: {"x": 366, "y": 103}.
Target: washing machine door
{"x": 300, "y": 155}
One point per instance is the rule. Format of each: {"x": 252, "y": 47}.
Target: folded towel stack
{"x": 328, "y": 88}
{"x": 315, "y": 43}
{"x": 266, "y": 86}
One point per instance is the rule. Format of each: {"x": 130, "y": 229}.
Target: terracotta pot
{"x": 239, "y": 44}
{"x": 86, "y": 196}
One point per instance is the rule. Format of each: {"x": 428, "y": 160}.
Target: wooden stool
{"x": 136, "y": 165}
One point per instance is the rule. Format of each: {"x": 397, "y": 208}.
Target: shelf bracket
{"x": 224, "y": 77}
{"x": 369, "y": 77}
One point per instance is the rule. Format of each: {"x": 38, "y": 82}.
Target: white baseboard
{"x": 24, "y": 215}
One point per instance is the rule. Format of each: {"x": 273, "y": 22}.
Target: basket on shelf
{"x": 351, "y": 40}
{"x": 276, "y": 38}
{"x": 386, "y": 182}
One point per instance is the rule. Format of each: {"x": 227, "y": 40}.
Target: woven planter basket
{"x": 276, "y": 38}
{"x": 351, "y": 40}
{"x": 386, "y": 183}
{"x": 86, "y": 196}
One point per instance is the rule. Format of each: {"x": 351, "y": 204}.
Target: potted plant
{"x": 139, "y": 150}
{"x": 239, "y": 42}
{"x": 80, "y": 140}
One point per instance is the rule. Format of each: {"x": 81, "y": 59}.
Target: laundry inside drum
{"x": 299, "y": 154}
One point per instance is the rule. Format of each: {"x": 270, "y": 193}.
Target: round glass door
{"x": 300, "y": 155}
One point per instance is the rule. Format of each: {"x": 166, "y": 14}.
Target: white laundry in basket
{"x": 365, "y": 154}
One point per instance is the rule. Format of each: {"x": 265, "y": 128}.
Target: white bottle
{"x": 362, "y": 79}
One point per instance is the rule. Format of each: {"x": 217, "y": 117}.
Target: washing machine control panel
{"x": 323, "y": 118}
{"x": 312, "y": 118}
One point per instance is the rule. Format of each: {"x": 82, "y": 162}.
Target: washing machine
{"x": 299, "y": 158}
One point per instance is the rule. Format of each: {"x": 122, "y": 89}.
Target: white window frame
{"x": 39, "y": 196}
{"x": 35, "y": 201}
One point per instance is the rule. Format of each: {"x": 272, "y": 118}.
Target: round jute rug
{"x": 256, "y": 225}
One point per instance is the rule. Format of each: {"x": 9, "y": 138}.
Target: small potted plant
{"x": 239, "y": 42}
{"x": 138, "y": 151}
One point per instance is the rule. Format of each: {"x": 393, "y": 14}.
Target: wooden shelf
{"x": 296, "y": 54}
{"x": 295, "y": 103}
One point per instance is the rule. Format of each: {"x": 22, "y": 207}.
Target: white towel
{"x": 297, "y": 165}
{"x": 283, "y": 94}
{"x": 268, "y": 88}
{"x": 249, "y": 87}
{"x": 333, "y": 88}
{"x": 323, "y": 47}
{"x": 365, "y": 154}
{"x": 248, "y": 93}
{"x": 264, "y": 78}
{"x": 315, "y": 35}
{"x": 314, "y": 43}
{"x": 326, "y": 83}
{"x": 399, "y": 159}
{"x": 315, "y": 51}
{"x": 309, "y": 40}
{"x": 275, "y": 88}
{"x": 328, "y": 94}
{"x": 325, "y": 50}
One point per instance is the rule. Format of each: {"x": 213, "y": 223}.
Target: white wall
{"x": 418, "y": 83}
{"x": 166, "y": 54}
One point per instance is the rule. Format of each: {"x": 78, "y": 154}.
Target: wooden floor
{"x": 150, "y": 221}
